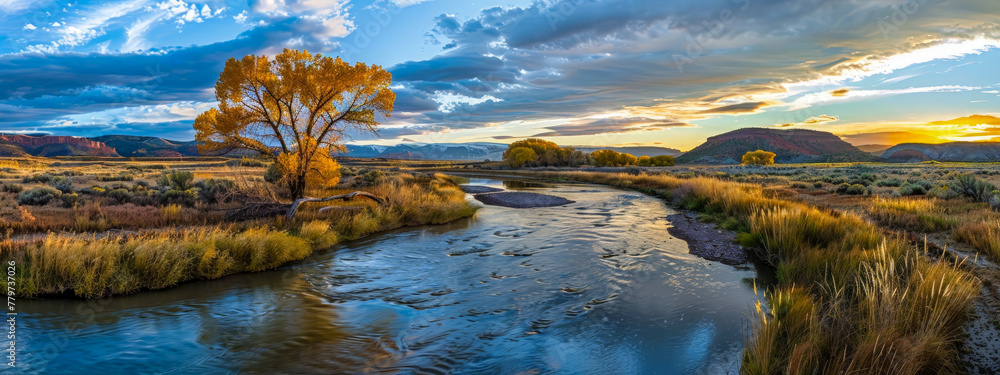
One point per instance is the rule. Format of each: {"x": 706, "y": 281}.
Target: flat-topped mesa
{"x": 790, "y": 145}
{"x": 58, "y": 145}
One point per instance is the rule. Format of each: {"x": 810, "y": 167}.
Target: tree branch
{"x": 344, "y": 197}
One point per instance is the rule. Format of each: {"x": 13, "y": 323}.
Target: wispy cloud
{"x": 820, "y": 98}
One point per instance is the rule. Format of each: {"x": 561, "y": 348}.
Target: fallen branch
{"x": 344, "y": 197}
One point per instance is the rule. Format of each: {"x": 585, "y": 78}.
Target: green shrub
{"x": 69, "y": 200}
{"x": 64, "y": 185}
{"x": 119, "y": 177}
{"x": 272, "y": 174}
{"x": 907, "y": 189}
{"x": 119, "y": 196}
{"x": 176, "y": 180}
{"x": 215, "y": 190}
{"x": 662, "y": 161}
{"x": 892, "y": 182}
{"x": 38, "y": 178}
{"x": 970, "y": 186}
{"x": 39, "y": 196}
{"x": 369, "y": 178}
{"x": 11, "y": 188}
{"x": 944, "y": 192}
{"x": 856, "y": 189}
{"x": 183, "y": 197}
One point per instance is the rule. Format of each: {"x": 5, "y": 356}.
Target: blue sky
{"x": 581, "y": 72}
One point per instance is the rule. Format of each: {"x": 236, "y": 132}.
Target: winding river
{"x": 595, "y": 287}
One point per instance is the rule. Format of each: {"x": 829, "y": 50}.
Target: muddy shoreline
{"x": 707, "y": 240}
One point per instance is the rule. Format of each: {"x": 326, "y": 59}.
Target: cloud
{"x": 748, "y": 107}
{"x": 969, "y": 121}
{"x": 813, "y": 120}
{"x": 809, "y": 100}
{"x": 37, "y": 88}
{"x": 406, "y": 3}
{"x": 569, "y": 61}
{"x": 583, "y": 127}
{"x": 87, "y": 27}
{"x": 974, "y": 127}
{"x": 820, "y": 119}
{"x": 450, "y": 68}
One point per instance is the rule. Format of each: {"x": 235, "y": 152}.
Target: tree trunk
{"x": 345, "y": 197}
{"x": 296, "y": 187}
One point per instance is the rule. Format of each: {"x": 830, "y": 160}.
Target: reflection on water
{"x": 523, "y": 185}
{"x": 598, "y": 286}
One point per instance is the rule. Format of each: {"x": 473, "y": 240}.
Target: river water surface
{"x": 595, "y": 287}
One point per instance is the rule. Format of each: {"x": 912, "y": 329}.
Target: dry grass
{"x": 917, "y": 215}
{"x": 983, "y": 235}
{"x": 91, "y": 266}
{"x": 849, "y": 298}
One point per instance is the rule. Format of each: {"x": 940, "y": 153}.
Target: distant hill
{"x": 876, "y": 150}
{"x": 136, "y": 146}
{"x": 952, "y": 151}
{"x": 51, "y": 145}
{"x": 790, "y": 145}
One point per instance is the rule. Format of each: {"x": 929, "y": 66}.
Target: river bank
{"x": 831, "y": 267}
{"x": 707, "y": 240}
{"x": 67, "y": 264}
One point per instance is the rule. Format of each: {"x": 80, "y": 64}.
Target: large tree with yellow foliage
{"x": 295, "y": 109}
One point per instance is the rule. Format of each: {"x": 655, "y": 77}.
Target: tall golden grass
{"x": 92, "y": 266}
{"x": 918, "y": 215}
{"x": 983, "y": 235}
{"x": 849, "y": 298}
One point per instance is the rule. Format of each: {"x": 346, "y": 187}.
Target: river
{"x": 595, "y": 287}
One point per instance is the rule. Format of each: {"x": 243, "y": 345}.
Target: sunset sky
{"x": 576, "y": 72}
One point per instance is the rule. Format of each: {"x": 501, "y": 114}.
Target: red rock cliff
{"x": 26, "y": 141}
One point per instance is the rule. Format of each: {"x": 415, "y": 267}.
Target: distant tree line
{"x": 535, "y": 152}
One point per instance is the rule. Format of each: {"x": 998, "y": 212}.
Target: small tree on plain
{"x": 759, "y": 157}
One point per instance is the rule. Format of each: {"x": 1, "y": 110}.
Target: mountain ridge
{"x": 951, "y": 151}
